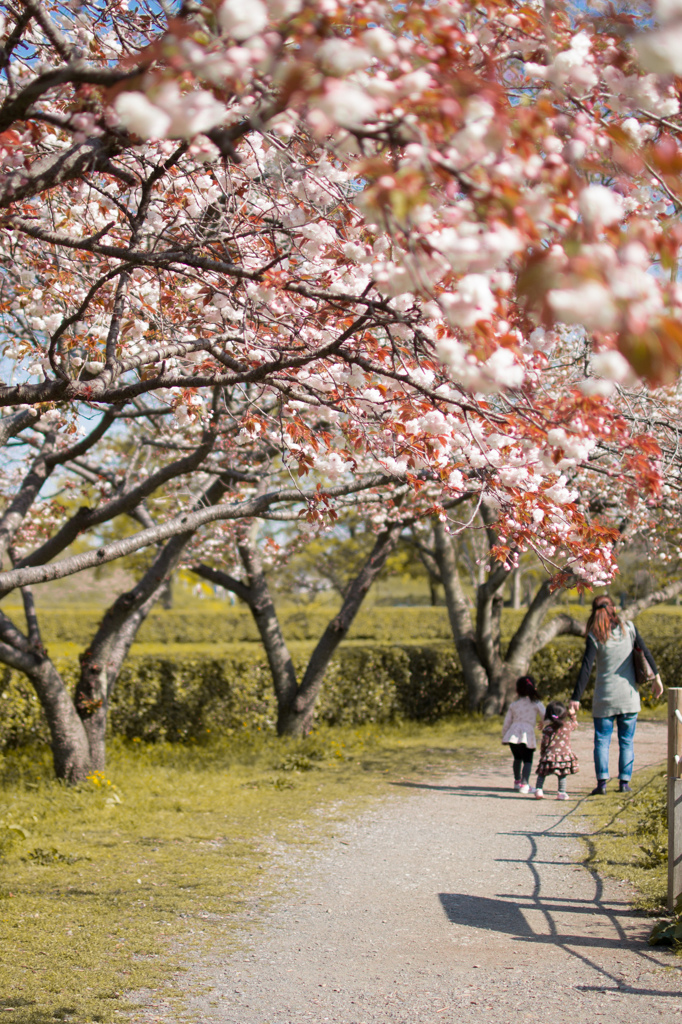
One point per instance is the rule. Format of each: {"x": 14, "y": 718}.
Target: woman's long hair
{"x": 603, "y": 618}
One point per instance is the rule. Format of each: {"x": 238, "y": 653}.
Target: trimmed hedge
{"x": 21, "y": 716}
{"x": 180, "y": 692}
{"x": 234, "y": 624}
{"x": 177, "y": 692}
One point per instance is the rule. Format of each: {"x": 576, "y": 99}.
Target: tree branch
{"x": 86, "y": 517}
{"x": 10, "y": 426}
{"x": 222, "y": 579}
{"x": 525, "y": 638}
{"x": 657, "y": 597}
{"x": 558, "y": 625}
{"x": 29, "y": 573}
{"x": 56, "y": 168}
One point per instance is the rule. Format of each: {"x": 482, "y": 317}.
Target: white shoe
{"x": 539, "y": 795}
{"x": 525, "y": 788}
{"x": 562, "y": 796}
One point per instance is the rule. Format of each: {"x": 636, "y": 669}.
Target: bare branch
{"x": 656, "y": 597}
{"x": 50, "y": 28}
{"x": 558, "y": 625}
{"x": 30, "y": 573}
{"x": 222, "y": 579}
{"x": 10, "y": 426}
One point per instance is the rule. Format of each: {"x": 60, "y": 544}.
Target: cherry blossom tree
{"x": 626, "y": 483}
{"x": 115, "y": 471}
{"x": 602, "y": 479}
{"x": 383, "y": 212}
{"x": 199, "y": 182}
{"x": 233, "y": 464}
{"x": 230, "y": 194}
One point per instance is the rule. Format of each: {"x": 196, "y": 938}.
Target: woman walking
{"x": 611, "y": 642}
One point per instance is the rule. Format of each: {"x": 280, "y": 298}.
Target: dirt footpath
{"x": 462, "y": 903}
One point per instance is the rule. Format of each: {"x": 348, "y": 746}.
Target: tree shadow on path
{"x": 494, "y": 792}
{"x": 560, "y": 917}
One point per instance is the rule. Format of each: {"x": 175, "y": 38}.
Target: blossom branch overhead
{"x": 388, "y": 234}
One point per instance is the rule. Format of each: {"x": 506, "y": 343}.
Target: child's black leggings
{"x": 523, "y": 762}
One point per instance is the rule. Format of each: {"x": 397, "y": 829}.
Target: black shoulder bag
{"x": 643, "y": 670}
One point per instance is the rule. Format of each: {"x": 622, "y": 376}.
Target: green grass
{"x": 628, "y": 838}
{"x": 112, "y": 885}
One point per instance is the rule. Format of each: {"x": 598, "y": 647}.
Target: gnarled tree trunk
{"x": 296, "y": 701}
{"x": 68, "y": 738}
{"x": 101, "y": 664}
{"x": 489, "y": 674}
{"x": 78, "y": 726}
{"x": 461, "y": 624}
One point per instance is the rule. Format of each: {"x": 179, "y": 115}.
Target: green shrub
{"x": 234, "y": 624}
{"x": 182, "y": 692}
{"x": 180, "y": 696}
{"x": 179, "y": 691}
{"x": 21, "y": 717}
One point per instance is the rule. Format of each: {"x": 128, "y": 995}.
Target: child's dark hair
{"x": 556, "y": 714}
{"x": 525, "y": 687}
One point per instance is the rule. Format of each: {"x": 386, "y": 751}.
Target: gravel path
{"x": 461, "y": 902}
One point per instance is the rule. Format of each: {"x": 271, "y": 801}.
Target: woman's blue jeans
{"x": 603, "y": 730}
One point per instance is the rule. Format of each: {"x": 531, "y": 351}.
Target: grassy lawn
{"x": 107, "y": 887}
{"x": 628, "y": 838}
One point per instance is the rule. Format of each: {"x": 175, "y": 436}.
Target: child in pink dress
{"x": 556, "y": 756}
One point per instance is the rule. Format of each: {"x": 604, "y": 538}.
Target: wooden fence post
{"x": 674, "y": 796}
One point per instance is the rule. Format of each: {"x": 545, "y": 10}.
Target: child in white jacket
{"x": 519, "y": 730}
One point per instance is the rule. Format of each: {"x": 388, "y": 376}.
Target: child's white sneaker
{"x": 562, "y": 796}
{"x": 525, "y": 788}
{"x": 539, "y": 795}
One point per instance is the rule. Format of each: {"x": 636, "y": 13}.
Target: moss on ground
{"x": 106, "y": 888}
{"x": 627, "y": 838}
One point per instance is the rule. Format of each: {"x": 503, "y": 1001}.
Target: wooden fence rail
{"x": 674, "y": 796}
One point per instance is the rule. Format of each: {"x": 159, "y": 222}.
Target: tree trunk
{"x": 516, "y": 589}
{"x": 166, "y": 599}
{"x": 296, "y": 703}
{"x": 490, "y": 677}
{"x": 101, "y": 664}
{"x": 256, "y": 594}
{"x": 70, "y": 748}
{"x": 475, "y": 676}
{"x": 502, "y": 682}
{"x": 69, "y": 740}
{"x": 489, "y": 605}
{"x": 297, "y": 718}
